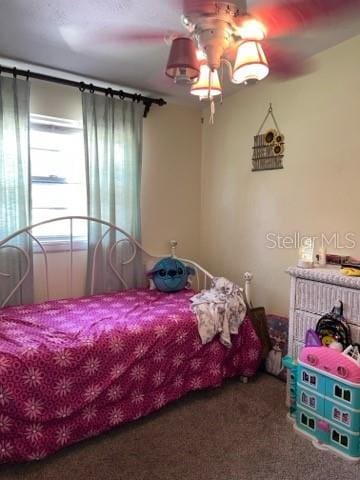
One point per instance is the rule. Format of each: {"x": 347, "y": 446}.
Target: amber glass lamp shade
{"x": 183, "y": 65}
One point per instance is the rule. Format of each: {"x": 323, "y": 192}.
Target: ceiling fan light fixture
{"x": 252, "y": 29}
{"x": 201, "y": 56}
{"x": 183, "y": 65}
{"x": 251, "y": 64}
{"x": 208, "y": 85}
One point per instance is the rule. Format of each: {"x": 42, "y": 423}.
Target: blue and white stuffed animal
{"x": 170, "y": 274}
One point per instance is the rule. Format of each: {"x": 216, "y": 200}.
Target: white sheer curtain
{"x": 113, "y": 152}
{"x": 15, "y": 185}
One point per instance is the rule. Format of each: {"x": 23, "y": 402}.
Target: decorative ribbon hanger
{"x": 269, "y": 147}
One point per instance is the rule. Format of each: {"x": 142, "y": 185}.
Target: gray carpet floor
{"x": 236, "y": 432}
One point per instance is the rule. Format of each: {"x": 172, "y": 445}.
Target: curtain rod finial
{"x": 147, "y": 108}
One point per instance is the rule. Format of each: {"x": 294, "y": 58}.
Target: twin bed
{"x": 73, "y": 368}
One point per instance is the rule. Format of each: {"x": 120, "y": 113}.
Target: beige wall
{"x": 318, "y": 191}
{"x": 170, "y": 179}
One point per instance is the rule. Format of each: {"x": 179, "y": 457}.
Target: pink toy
{"x": 332, "y": 362}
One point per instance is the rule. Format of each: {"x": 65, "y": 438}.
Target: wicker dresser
{"x": 314, "y": 292}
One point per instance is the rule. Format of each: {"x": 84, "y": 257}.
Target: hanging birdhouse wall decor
{"x": 269, "y": 147}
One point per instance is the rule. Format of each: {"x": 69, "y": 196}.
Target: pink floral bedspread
{"x": 70, "y": 369}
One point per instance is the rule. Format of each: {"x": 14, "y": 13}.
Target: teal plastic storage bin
{"x": 326, "y": 387}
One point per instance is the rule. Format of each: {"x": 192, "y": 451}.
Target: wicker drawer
{"x": 319, "y": 298}
{"x": 305, "y": 320}
{"x": 302, "y": 322}
{"x": 355, "y": 333}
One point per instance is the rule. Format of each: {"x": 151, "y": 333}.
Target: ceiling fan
{"x": 221, "y": 33}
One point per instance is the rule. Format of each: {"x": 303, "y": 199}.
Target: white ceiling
{"x": 33, "y": 31}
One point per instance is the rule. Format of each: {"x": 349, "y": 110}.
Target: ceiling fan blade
{"x": 288, "y": 16}
{"x": 286, "y": 64}
{"x": 82, "y": 38}
{"x": 133, "y": 36}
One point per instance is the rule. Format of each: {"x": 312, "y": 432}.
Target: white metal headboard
{"x": 202, "y": 276}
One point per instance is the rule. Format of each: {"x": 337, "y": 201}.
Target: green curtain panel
{"x": 113, "y": 152}
{"x": 15, "y": 186}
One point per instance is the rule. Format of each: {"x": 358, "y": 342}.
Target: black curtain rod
{"x": 82, "y": 86}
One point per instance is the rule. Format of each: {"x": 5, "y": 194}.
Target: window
{"x": 308, "y": 400}
{"x": 346, "y": 418}
{"x": 337, "y": 414}
{"x": 347, "y": 395}
{"x": 341, "y": 416}
{"x": 340, "y": 439}
{"x": 338, "y": 391}
{"x": 304, "y": 399}
{"x": 342, "y": 393}
{"x": 310, "y": 379}
{"x": 58, "y": 176}
{"x": 308, "y": 421}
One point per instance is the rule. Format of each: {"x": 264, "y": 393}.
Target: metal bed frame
{"x": 202, "y": 277}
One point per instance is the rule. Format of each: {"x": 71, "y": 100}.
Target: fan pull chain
{"x": 222, "y": 82}
{"x": 212, "y": 111}
{"x": 212, "y": 103}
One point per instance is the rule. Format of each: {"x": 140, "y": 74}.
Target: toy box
{"x": 325, "y": 398}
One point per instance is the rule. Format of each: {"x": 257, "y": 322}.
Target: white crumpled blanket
{"x": 219, "y": 310}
